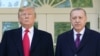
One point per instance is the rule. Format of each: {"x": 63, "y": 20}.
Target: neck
{"x": 27, "y": 27}
{"x": 79, "y": 30}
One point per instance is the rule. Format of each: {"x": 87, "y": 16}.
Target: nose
{"x": 77, "y": 19}
{"x": 26, "y": 16}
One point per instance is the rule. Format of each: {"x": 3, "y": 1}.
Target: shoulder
{"x": 12, "y": 31}
{"x": 43, "y": 35}
{"x": 41, "y": 32}
{"x": 65, "y": 35}
{"x": 93, "y": 32}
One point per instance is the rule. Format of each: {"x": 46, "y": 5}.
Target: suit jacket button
{"x": 75, "y": 54}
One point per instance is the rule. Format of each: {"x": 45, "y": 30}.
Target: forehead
{"x": 78, "y": 12}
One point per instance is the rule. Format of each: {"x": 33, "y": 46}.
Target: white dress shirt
{"x": 81, "y": 32}
{"x": 30, "y": 34}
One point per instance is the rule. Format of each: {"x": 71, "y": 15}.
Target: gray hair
{"x": 77, "y": 9}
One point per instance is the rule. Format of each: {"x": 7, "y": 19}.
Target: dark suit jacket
{"x": 11, "y": 44}
{"x": 89, "y": 46}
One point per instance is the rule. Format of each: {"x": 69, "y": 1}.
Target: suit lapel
{"x": 18, "y": 40}
{"x": 84, "y": 40}
{"x": 71, "y": 40}
{"x": 35, "y": 39}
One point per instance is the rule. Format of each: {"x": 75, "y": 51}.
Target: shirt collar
{"x": 30, "y": 29}
{"x": 81, "y": 32}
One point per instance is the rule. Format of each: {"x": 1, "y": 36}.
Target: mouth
{"x": 26, "y": 21}
{"x": 77, "y": 25}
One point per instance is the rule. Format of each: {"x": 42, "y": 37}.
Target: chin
{"x": 78, "y": 28}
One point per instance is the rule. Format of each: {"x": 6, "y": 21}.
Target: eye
{"x": 74, "y": 18}
{"x": 80, "y": 17}
{"x": 29, "y": 13}
{"x": 23, "y": 14}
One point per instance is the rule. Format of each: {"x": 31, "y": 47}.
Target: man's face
{"x": 78, "y": 19}
{"x": 27, "y": 17}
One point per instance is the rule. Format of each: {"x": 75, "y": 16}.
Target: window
{"x": 10, "y": 3}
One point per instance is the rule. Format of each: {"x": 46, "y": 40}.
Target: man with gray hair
{"x": 80, "y": 41}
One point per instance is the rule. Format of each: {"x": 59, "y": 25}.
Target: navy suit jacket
{"x": 41, "y": 45}
{"x": 89, "y": 46}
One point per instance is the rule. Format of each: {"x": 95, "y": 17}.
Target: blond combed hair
{"x": 25, "y": 7}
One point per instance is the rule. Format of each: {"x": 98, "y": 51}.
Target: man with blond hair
{"x": 26, "y": 40}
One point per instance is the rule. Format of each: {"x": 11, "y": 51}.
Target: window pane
{"x": 9, "y": 25}
{"x": 61, "y": 27}
{"x": 10, "y": 3}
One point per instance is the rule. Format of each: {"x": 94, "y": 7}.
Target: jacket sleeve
{"x": 3, "y": 47}
{"x": 98, "y": 47}
{"x": 50, "y": 46}
{"x": 58, "y": 47}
